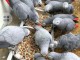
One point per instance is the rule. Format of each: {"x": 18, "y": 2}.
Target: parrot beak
{"x": 18, "y": 56}
{"x": 28, "y": 32}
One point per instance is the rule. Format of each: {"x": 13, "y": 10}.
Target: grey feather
{"x": 37, "y": 2}
{"x": 23, "y": 11}
{"x": 12, "y": 35}
{"x": 43, "y": 39}
{"x": 50, "y": 19}
{"x": 55, "y": 7}
{"x": 38, "y": 56}
{"x": 68, "y": 42}
{"x": 47, "y": 21}
{"x": 65, "y": 24}
{"x": 63, "y": 56}
{"x": 69, "y": 1}
{"x": 65, "y": 16}
{"x": 31, "y": 5}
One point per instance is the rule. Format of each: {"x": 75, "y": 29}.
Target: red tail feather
{"x": 76, "y": 19}
{"x": 76, "y": 26}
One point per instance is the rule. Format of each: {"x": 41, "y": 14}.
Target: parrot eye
{"x": 57, "y": 22}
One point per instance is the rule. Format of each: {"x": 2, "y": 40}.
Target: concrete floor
{"x": 3, "y": 54}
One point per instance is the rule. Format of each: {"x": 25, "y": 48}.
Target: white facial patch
{"x": 56, "y": 43}
{"x": 40, "y": 2}
{"x": 65, "y": 5}
{"x": 56, "y": 21}
{"x": 51, "y": 45}
{"x": 48, "y": 8}
{"x": 18, "y": 56}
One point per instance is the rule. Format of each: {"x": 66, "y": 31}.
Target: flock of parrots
{"x": 60, "y": 16}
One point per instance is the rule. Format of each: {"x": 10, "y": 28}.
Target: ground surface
{"x": 28, "y": 47}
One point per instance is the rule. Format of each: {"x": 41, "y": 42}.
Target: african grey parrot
{"x": 22, "y": 10}
{"x": 10, "y": 36}
{"x": 65, "y": 24}
{"x": 73, "y": 17}
{"x": 38, "y": 56}
{"x": 55, "y": 7}
{"x": 43, "y": 39}
{"x": 63, "y": 56}
{"x": 69, "y": 1}
{"x": 50, "y": 19}
{"x": 68, "y": 42}
{"x": 37, "y": 2}
{"x": 31, "y": 5}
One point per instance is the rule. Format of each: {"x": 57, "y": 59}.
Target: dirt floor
{"x": 28, "y": 47}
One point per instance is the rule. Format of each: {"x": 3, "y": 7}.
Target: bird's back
{"x": 70, "y": 56}
{"x": 29, "y": 3}
{"x": 13, "y": 35}
{"x": 42, "y": 35}
{"x": 21, "y": 10}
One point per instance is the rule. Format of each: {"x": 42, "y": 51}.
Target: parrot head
{"x": 65, "y": 5}
{"x": 36, "y": 55}
{"x": 57, "y": 21}
{"x": 38, "y": 2}
{"x": 48, "y": 8}
{"x": 53, "y": 55}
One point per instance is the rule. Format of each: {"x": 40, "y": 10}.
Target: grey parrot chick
{"x": 63, "y": 56}
{"x": 65, "y": 24}
{"x": 68, "y": 42}
{"x": 50, "y": 19}
{"x": 22, "y": 10}
{"x": 43, "y": 39}
{"x": 55, "y": 7}
{"x": 12, "y": 35}
{"x": 69, "y": 1}
{"x": 38, "y": 56}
